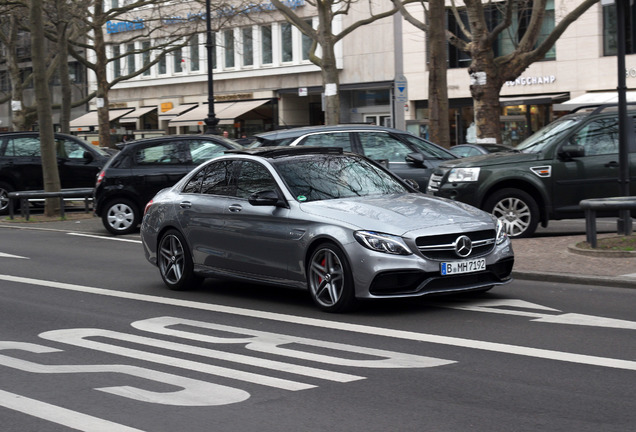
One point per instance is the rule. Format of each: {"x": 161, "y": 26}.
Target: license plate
{"x": 456, "y": 267}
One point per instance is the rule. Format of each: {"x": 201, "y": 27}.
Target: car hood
{"x": 490, "y": 159}
{"x": 399, "y": 214}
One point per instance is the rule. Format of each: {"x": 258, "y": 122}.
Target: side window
{"x": 429, "y": 149}
{"x": 201, "y": 151}
{"x": 598, "y": 137}
{"x": 160, "y": 154}
{"x": 254, "y": 177}
{"x": 194, "y": 185}
{"x": 23, "y": 147}
{"x": 219, "y": 178}
{"x": 382, "y": 146}
{"x": 338, "y": 139}
{"x": 72, "y": 150}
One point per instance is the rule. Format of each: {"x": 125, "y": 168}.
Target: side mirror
{"x": 571, "y": 151}
{"x": 88, "y": 156}
{"x": 412, "y": 183}
{"x": 416, "y": 159}
{"x": 266, "y": 198}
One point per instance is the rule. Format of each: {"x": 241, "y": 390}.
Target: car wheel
{"x": 516, "y": 209}
{"x": 329, "y": 279}
{"x": 120, "y": 216}
{"x": 5, "y": 188}
{"x": 175, "y": 262}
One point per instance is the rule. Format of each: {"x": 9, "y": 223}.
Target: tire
{"x": 175, "y": 262}
{"x": 329, "y": 279}
{"x": 121, "y": 216}
{"x": 517, "y": 210}
{"x": 5, "y": 188}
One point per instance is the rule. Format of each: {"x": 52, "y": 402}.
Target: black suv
{"x": 573, "y": 158}
{"x": 21, "y": 163}
{"x": 142, "y": 168}
{"x": 404, "y": 154}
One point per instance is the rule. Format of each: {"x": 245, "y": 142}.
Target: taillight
{"x": 147, "y": 207}
{"x": 100, "y": 177}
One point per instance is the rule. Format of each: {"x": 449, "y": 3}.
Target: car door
{"x": 593, "y": 175}
{"x": 75, "y": 169}
{"x": 157, "y": 166}
{"x": 23, "y": 162}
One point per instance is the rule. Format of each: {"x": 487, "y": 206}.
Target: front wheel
{"x": 517, "y": 210}
{"x": 121, "y": 216}
{"x": 175, "y": 262}
{"x": 329, "y": 279}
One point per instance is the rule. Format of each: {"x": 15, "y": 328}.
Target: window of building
{"x": 145, "y": 47}
{"x": 75, "y": 72}
{"x": 266, "y": 45}
{"x": 4, "y": 81}
{"x": 610, "y": 29}
{"x": 194, "y": 53}
{"x": 130, "y": 58}
{"x": 248, "y": 46}
{"x": 306, "y": 44}
{"x": 286, "y": 44}
{"x": 162, "y": 67}
{"x": 228, "y": 37}
{"x": 116, "y": 61}
{"x": 177, "y": 60}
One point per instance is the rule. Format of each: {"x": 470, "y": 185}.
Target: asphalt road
{"x": 91, "y": 340}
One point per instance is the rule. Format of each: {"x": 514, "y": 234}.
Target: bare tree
{"x": 43, "y": 98}
{"x": 488, "y": 72}
{"x": 323, "y": 37}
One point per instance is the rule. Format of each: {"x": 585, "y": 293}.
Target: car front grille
{"x": 442, "y": 247}
{"x": 434, "y": 182}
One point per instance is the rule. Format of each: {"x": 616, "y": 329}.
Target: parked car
{"x": 573, "y": 158}
{"x": 21, "y": 163}
{"x": 405, "y": 154}
{"x": 333, "y": 222}
{"x": 143, "y": 167}
{"x": 467, "y": 150}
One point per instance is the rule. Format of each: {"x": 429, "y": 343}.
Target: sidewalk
{"x": 547, "y": 258}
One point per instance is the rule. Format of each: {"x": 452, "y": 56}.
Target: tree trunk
{"x": 485, "y": 86}
{"x": 65, "y": 82}
{"x": 43, "y": 99}
{"x": 437, "y": 82}
{"x": 103, "y": 119}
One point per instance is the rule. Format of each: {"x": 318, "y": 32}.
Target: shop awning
{"x": 226, "y": 112}
{"x": 90, "y": 118}
{"x": 136, "y": 114}
{"x": 532, "y": 99}
{"x": 599, "y": 98}
{"x": 176, "y": 111}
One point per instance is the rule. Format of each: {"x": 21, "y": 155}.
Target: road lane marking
{"x": 105, "y": 237}
{"x": 340, "y": 326}
{"x": 6, "y": 255}
{"x": 59, "y": 415}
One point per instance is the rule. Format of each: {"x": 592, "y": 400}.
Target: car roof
{"x": 142, "y": 141}
{"x": 295, "y": 132}
{"x": 272, "y": 152}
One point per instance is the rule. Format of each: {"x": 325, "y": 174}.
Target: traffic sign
{"x": 401, "y": 89}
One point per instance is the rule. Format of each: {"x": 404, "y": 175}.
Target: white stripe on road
{"x": 104, "y": 237}
{"x": 334, "y": 325}
{"x": 6, "y": 255}
{"x": 59, "y": 415}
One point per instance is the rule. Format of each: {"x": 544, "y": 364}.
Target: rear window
{"x": 163, "y": 154}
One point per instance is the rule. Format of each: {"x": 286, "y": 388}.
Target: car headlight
{"x": 458, "y": 175}
{"x": 501, "y": 232}
{"x": 382, "y": 242}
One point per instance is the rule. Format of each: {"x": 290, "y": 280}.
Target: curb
{"x": 610, "y": 281}
{"x": 601, "y": 253}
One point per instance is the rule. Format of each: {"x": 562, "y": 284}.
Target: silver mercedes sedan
{"x": 334, "y": 223}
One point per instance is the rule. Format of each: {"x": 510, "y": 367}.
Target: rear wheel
{"x": 175, "y": 262}
{"x": 5, "y": 188}
{"x": 517, "y": 210}
{"x": 330, "y": 280}
{"x": 120, "y": 216}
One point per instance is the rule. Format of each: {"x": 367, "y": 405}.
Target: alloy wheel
{"x": 326, "y": 277}
{"x": 171, "y": 259}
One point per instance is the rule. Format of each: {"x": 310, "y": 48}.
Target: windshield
{"x": 322, "y": 177}
{"x": 538, "y": 141}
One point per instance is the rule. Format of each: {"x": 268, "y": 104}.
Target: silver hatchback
{"x": 337, "y": 224}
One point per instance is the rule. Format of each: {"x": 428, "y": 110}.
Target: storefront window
{"x": 372, "y": 97}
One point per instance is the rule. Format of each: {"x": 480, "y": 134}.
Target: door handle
{"x": 235, "y": 208}
{"x": 612, "y": 164}
{"x": 185, "y": 204}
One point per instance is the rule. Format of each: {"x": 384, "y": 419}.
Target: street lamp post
{"x": 211, "y": 121}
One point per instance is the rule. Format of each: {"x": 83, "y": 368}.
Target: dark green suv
{"x": 571, "y": 159}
